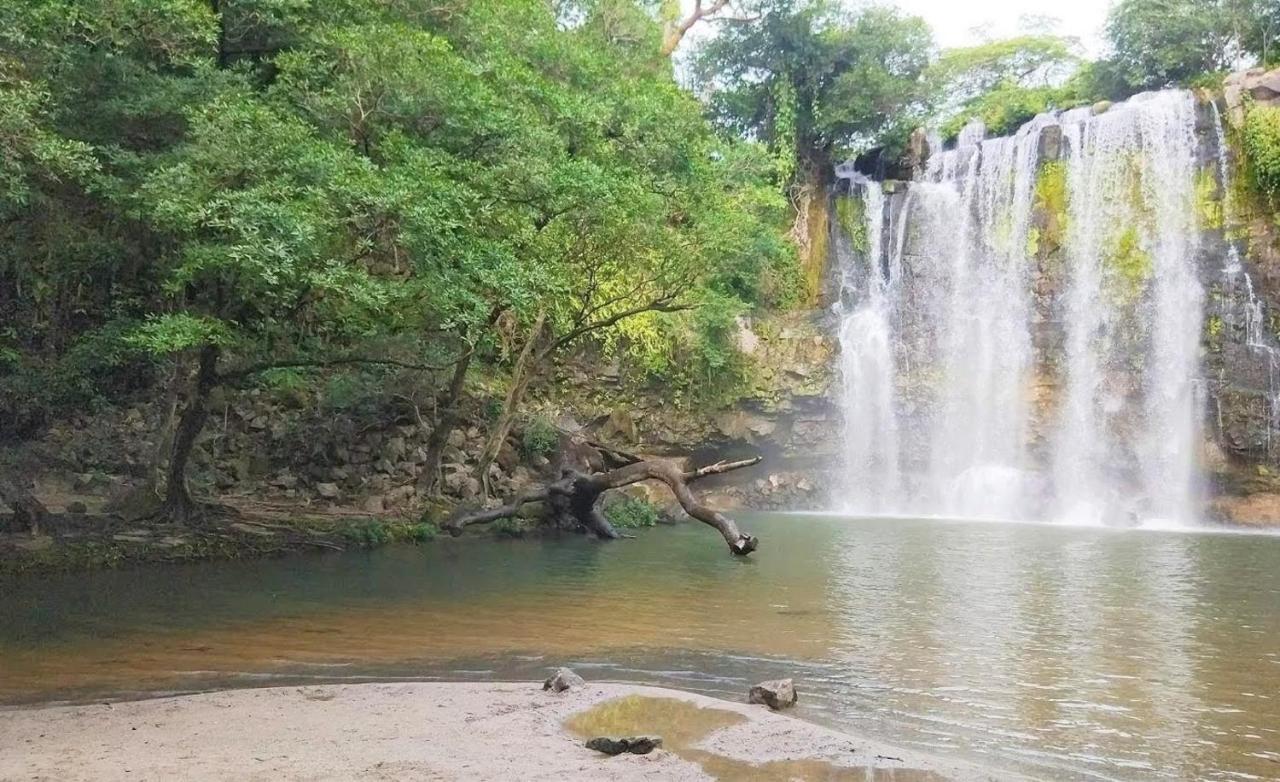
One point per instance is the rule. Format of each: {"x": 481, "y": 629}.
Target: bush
{"x": 1262, "y": 148}
{"x": 632, "y": 513}
{"x": 540, "y": 438}
{"x": 366, "y": 534}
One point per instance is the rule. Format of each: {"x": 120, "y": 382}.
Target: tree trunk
{"x": 520, "y": 377}
{"x": 178, "y": 504}
{"x": 448, "y": 415}
{"x": 30, "y": 512}
{"x": 445, "y": 423}
{"x": 575, "y": 498}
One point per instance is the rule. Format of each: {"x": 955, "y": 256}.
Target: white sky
{"x": 967, "y": 22}
{"x": 960, "y": 23}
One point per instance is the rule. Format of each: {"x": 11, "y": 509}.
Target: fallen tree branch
{"x": 574, "y": 499}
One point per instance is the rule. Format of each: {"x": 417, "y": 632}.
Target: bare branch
{"x": 676, "y": 29}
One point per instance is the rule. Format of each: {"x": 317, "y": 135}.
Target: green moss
{"x": 1209, "y": 206}
{"x": 1128, "y": 263}
{"x": 851, "y": 216}
{"x": 1214, "y": 326}
{"x": 1049, "y": 233}
{"x": 1033, "y": 242}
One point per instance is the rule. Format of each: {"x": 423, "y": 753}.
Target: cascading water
{"x": 867, "y": 360}
{"x": 977, "y": 381}
{"x": 1234, "y": 273}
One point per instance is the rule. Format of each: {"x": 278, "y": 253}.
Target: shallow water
{"x": 1068, "y": 653}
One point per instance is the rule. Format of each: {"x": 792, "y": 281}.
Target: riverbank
{"x": 439, "y": 731}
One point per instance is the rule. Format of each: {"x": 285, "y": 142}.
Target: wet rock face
{"x": 635, "y": 745}
{"x": 1256, "y": 84}
{"x": 778, "y": 694}
{"x": 563, "y": 679}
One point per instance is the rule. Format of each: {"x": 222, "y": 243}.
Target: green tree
{"x": 1004, "y": 83}
{"x": 1165, "y": 42}
{"x": 816, "y": 84}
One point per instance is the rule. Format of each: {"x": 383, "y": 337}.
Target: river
{"x": 1062, "y": 652}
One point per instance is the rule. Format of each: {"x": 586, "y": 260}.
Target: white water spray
{"x": 941, "y": 348}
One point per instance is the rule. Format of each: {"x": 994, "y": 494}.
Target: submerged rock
{"x": 636, "y": 745}
{"x": 778, "y": 694}
{"x": 563, "y": 679}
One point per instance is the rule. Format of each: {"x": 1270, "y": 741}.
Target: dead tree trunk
{"x": 575, "y": 498}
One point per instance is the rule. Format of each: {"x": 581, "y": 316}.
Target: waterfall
{"x": 987, "y": 376}
{"x": 867, "y": 365}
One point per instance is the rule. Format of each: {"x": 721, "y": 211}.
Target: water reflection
{"x": 1069, "y": 653}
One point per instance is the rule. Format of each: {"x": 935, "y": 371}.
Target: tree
{"x": 1162, "y": 43}
{"x": 207, "y": 190}
{"x": 816, "y": 84}
{"x": 676, "y": 23}
{"x": 1004, "y": 83}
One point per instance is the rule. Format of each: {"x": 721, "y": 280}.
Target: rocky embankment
{"x": 301, "y": 469}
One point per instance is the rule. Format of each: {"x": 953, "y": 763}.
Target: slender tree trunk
{"x": 523, "y": 372}
{"x": 178, "y": 503}
{"x": 448, "y": 415}
{"x": 445, "y": 423}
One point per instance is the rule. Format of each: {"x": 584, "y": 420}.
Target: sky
{"x": 961, "y": 22}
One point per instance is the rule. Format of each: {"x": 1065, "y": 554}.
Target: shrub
{"x": 631, "y": 513}
{"x": 366, "y": 534}
{"x": 1262, "y": 148}
{"x": 540, "y": 437}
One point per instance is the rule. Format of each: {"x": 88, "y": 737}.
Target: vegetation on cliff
{"x": 428, "y": 202}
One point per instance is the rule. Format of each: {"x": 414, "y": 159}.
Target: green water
{"x": 1067, "y": 653}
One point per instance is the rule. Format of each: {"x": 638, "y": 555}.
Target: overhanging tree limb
{"x": 574, "y": 497}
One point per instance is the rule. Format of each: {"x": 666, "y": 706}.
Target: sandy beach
{"x": 435, "y": 731}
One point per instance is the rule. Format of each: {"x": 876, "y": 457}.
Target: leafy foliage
{"x": 1261, "y": 138}
{"x": 540, "y": 437}
{"x": 814, "y": 82}
{"x": 286, "y": 180}
{"x": 632, "y": 513}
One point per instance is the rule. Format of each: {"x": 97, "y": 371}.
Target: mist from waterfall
{"x": 970, "y": 388}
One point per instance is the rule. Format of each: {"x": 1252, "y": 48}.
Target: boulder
{"x": 635, "y": 745}
{"x": 77, "y": 508}
{"x": 461, "y": 483}
{"x": 563, "y": 679}
{"x": 458, "y": 438}
{"x": 394, "y": 449}
{"x": 777, "y": 694}
{"x": 1262, "y": 87}
{"x": 508, "y": 458}
{"x": 327, "y": 490}
{"x": 373, "y": 505}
